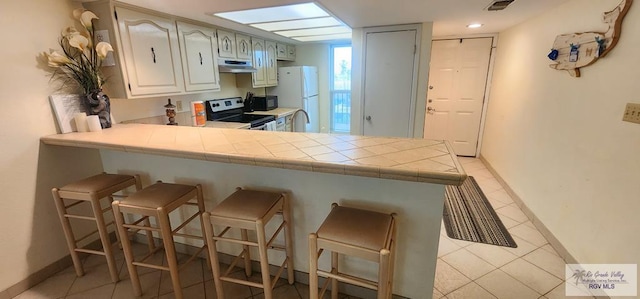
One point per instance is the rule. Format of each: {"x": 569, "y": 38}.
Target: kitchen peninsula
{"x": 406, "y": 176}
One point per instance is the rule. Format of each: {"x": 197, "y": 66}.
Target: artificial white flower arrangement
{"x": 80, "y": 60}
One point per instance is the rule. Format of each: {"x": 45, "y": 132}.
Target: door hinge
{"x": 115, "y": 14}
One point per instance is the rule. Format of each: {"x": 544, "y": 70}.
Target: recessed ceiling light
{"x": 474, "y": 25}
{"x": 303, "y": 21}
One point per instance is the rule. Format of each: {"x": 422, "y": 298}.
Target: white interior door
{"x": 389, "y": 80}
{"x": 457, "y": 83}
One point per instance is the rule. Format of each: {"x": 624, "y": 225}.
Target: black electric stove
{"x": 231, "y": 110}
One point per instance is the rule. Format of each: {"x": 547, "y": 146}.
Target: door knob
{"x": 368, "y": 117}
{"x": 430, "y": 86}
{"x": 429, "y": 109}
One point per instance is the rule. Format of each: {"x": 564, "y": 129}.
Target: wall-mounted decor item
{"x": 574, "y": 51}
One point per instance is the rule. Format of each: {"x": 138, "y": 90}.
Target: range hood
{"x": 235, "y": 66}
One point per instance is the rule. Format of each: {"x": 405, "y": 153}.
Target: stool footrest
{"x": 243, "y": 282}
{"x": 275, "y": 234}
{"x": 89, "y": 251}
{"x": 188, "y": 236}
{"x": 142, "y": 227}
{"x": 237, "y": 241}
{"x": 151, "y": 266}
{"x": 77, "y": 202}
{"x": 350, "y": 279}
{"x": 80, "y": 217}
{"x": 185, "y": 223}
{"x": 235, "y": 261}
{"x": 193, "y": 257}
{"x": 277, "y": 276}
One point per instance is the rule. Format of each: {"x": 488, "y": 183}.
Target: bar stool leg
{"x": 264, "y": 260}
{"x": 247, "y": 253}
{"x": 288, "y": 238}
{"x": 313, "y": 266}
{"x": 104, "y": 237}
{"x": 170, "y": 251}
{"x": 68, "y": 232}
{"x": 213, "y": 253}
{"x": 126, "y": 247}
{"x": 383, "y": 274}
{"x": 201, "y": 210}
{"x": 334, "y": 270}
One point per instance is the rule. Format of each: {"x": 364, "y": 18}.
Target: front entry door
{"x": 389, "y": 79}
{"x": 457, "y": 83}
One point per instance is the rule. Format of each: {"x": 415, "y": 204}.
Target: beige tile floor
{"x": 473, "y": 270}
{"x": 464, "y": 269}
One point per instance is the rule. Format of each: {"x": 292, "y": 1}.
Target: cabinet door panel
{"x": 272, "y": 63}
{"x": 244, "y": 46}
{"x": 259, "y": 53}
{"x": 226, "y": 44}
{"x": 151, "y": 53}
{"x": 199, "y": 57}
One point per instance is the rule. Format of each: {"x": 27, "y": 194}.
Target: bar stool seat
{"x": 355, "y": 232}
{"x": 92, "y": 190}
{"x": 158, "y": 201}
{"x": 250, "y": 210}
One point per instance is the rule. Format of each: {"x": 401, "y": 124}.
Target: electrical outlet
{"x": 179, "y": 106}
{"x": 632, "y": 113}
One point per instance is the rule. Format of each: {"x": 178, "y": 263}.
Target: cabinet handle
{"x": 153, "y": 55}
{"x": 199, "y": 53}
{"x": 259, "y": 62}
{"x": 244, "y": 47}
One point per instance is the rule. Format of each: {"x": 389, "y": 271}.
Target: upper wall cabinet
{"x": 259, "y": 78}
{"x": 272, "y": 63}
{"x": 243, "y": 44}
{"x": 198, "y": 46}
{"x": 286, "y": 52}
{"x": 226, "y": 44}
{"x": 291, "y": 52}
{"x": 151, "y": 53}
{"x": 234, "y": 46}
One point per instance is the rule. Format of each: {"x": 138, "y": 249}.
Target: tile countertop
{"x": 416, "y": 160}
{"x": 278, "y": 112}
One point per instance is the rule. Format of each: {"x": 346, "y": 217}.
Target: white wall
{"x": 32, "y": 235}
{"x": 559, "y": 141}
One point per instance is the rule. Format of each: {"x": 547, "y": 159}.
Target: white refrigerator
{"x": 298, "y": 88}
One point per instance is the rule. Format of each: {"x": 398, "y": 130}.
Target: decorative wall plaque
{"x": 574, "y": 51}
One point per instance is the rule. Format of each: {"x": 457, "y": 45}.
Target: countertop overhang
{"x": 415, "y": 160}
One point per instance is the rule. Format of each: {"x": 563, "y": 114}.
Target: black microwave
{"x": 265, "y": 103}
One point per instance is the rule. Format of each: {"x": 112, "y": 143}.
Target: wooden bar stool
{"x": 365, "y": 234}
{"x": 92, "y": 190}
{"x": 158, "y": 200}
{"x": 250, "y": 210}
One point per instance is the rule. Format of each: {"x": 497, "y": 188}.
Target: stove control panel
{"x": 225, "y": 104}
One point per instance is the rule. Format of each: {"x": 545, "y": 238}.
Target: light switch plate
{"x": 632, "y": 113}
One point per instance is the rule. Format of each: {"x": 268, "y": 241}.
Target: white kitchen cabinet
{"x": 199, "y": 51}
{"x": 243, "y": 46}
{"x": 272, "y": 63}
{"x": 151, "y": 53}
{"x": 291, "y": 52}
{"x": 259, "y": 78}
{"x": 227, "y": 44}
{"x": 282, "y": 51}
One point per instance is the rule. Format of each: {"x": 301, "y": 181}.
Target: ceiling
{"x": 449, "y": 17}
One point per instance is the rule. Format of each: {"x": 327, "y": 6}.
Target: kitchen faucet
{"x": 293, "y": 118}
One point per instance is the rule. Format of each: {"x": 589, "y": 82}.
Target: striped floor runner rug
{"x": 469, "y": 216}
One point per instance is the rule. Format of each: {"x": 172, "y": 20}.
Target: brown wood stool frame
{"x": 262, "y": 243}
{"x": 385, "y": 257}
{"x": 161, "y": 213}
{"x": 93, "y": 195}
